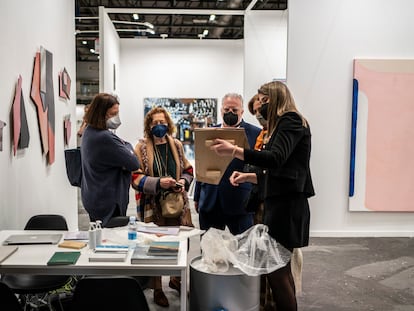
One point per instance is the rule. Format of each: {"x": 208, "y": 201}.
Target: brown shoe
{"x": 160, "y": 298}
{"x": 175, "y": 284}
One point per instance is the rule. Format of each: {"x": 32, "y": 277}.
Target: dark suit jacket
{"x": 285, "y": 160}
{"x": 231, "y": 199}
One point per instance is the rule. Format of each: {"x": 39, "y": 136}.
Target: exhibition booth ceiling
{"x": 164, "y": 19}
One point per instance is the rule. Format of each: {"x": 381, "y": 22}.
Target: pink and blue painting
{"x": 381, "y": 166}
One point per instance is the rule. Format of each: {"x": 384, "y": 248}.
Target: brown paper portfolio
{"x": 209, "y": 166}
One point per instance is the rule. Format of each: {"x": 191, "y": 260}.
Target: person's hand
{"x": 237, "y": 178}
{"x": 179, "y": 186}
{"x": 222, "y": 147}
{"x": 167, "y": 182}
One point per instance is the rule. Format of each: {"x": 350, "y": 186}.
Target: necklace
{"x": 162, "y": 166}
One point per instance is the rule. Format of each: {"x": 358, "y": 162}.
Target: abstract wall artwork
{"x": 67, "y": 128}
{"x": 64, "y": 84}
{"x": 21, "y": 135}
{"x": 381, "y": 168}
{"x": 42, "y": 95}
{"x": 2, "y": 125}
{"x": 187, "y": 114}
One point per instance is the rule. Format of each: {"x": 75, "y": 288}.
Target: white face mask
{"x": 113, "y": 123}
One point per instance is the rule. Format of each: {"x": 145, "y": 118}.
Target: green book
{"x": 63, "y": 258}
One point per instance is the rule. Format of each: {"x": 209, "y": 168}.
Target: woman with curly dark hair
{"x": 164, "y": 168}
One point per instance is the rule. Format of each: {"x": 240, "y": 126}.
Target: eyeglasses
{"x": 234, "y": 110}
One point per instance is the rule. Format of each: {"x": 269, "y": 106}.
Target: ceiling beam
{"x": 173, "y": 11}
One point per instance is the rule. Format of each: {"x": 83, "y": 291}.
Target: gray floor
{"x": 339, "y": 274}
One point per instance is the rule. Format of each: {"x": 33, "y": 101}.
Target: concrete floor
{"x": 339, "y": 274}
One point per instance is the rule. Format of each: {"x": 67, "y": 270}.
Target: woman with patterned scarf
{"x": 164, "y": 167}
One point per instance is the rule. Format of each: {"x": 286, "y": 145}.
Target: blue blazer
{"x": 232, "y": 200}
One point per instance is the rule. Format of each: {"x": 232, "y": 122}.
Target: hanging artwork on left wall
{"x": 43, "y": 97}
{"x": 21, "y": 135}
{"x": 67, "y": 129}
{"x": 2, "y": 125}
{"x": 64, "y": 84}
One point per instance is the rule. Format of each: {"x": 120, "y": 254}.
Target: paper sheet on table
{"x": 158, "y": 230}
{"x": 120, "y": 235}
{"x": 209, "y": 166}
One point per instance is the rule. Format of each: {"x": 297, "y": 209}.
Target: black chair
{"x": 47, "y": 222}
{"x": 31, "y": 287}
{"x": 109, "y": 293}
{"x": 8, "y": 299}
{"x": 117, "y": 221}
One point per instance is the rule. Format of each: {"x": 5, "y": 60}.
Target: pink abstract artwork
{"x": 382, "y": 170}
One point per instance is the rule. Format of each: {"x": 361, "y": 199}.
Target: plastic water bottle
{"x": 98, "y": 232}
{"x": 92, "y": 235}
{"x": 132, "y": 228}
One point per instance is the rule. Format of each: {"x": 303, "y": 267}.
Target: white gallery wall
{"x": 324, "y": 37}
{"x": 175, "y": 68}
{"x": 28, "y": 184}
{"x": 265, "y": 36}
{"x": 109, "y": 55}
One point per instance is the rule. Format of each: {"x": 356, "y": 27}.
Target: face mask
{"x": 230, "y": 118}
{"x": 113, "y": 123}
{"x": 263, "y": 110}
{"x": 159, "y": 130}
{"x": 261, "y": 120}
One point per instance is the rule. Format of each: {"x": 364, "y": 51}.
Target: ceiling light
{"x": 164, "y": 35}
{"x": 92, "y": 51}
{"x": 212, "y": 17}
{"x": 135, "y": 16}
{"x": 199, "y": 21}
{"x": 200, "y": 35}
{"x": 84, "y": 42}
{"x": 151, "y": 31}
{"x": 205, "y": 32}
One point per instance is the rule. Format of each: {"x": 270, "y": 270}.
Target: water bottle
{"x": 132, "y": 228}
{"x": 98, "y": 232}
{"x": 92, "y": 235}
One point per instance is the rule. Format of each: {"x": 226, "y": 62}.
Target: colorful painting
{"x": 187, "y": 114}
{"x": 381, "y": 170}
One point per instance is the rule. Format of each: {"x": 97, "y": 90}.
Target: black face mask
{"x": 230, "y": 118}
{"x": 263, "y": 110}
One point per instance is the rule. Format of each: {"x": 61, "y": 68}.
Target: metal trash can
{"x": 231, "y": 290}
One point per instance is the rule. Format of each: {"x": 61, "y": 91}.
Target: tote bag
{"x": 74, "y": 166}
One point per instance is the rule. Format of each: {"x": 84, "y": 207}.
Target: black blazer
{"x": 285, "y": 159}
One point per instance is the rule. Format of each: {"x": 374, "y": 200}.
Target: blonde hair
{"x": 280, "y": 102}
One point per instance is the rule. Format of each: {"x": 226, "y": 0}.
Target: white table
{"x": 32, "y": 259}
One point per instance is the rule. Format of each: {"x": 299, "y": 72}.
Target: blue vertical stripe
{"x": 353, "y": 137}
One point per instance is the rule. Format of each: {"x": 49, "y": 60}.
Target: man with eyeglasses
{"x": 223, "y": 204}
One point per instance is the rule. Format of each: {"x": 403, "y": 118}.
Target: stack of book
{"x": 109, "y": 253}
{"x": 157, "y": 252}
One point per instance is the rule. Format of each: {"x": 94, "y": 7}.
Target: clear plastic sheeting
{"x": 254, "y": 251}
